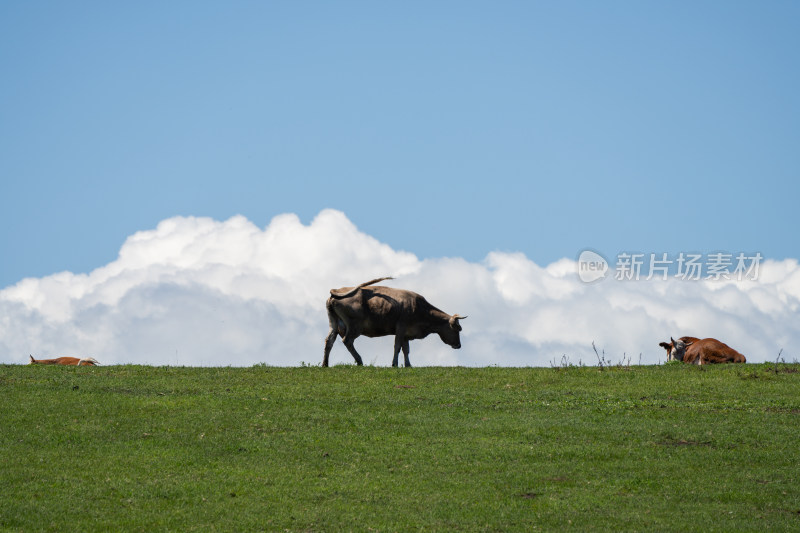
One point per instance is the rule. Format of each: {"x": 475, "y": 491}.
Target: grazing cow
{"x": 701, "y": 351}
{"x": 74, "y": 361}
{"x": 377, "y": 311}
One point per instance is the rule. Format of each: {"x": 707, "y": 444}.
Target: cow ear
{"x": 688, "y": 343}
{"x": 664, "y": 345}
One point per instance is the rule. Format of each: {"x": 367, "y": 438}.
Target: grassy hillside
{"x": 135, "y": 448}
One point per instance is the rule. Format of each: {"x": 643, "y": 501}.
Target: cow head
{"x": 676, "y": 349}
{"x": 450, "y": 332}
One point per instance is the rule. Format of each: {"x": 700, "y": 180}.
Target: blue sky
{"x": 446, "y": 129}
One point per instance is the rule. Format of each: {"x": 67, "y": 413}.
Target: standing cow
{"x": 377, "y": 311}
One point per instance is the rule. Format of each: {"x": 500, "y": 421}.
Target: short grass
{"x": 666, "y": 448}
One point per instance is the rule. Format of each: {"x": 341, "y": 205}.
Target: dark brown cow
{"x": 74, "y": 361}
{"x": 694, "y": 351}
{"x": 377, "y": 311}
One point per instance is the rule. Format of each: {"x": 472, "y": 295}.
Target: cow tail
{"x": 356, "y": 289}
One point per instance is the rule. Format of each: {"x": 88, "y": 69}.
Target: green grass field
{"x": 658, "y": 448}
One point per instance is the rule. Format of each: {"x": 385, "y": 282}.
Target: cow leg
{"x": 405, "y": 353}
{"x": 399, "y": 339}
{"x": 329, "y": 340}
{"x": 348, "y": 342}
{"x": 398, "y": 343}
{"x": 335, "y": 326}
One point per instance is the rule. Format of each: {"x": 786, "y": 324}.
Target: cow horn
{"x": 459, "y": 317}
{"x": 671, "y": 339}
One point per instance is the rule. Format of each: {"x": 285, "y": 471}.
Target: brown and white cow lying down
{"x": 694, "y": 351}
{"x": 375, "y": 311}
{"x": 74, "y": 361}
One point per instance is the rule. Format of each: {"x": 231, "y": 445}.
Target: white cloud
{"x": 196, "y": 291}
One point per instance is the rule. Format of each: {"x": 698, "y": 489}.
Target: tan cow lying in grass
{"x": 694, "y": 351}
{"x": 74, "y": 361}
